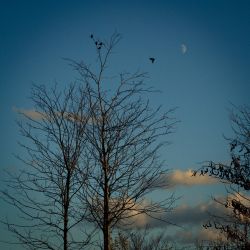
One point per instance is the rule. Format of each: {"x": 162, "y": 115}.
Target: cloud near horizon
{"x": 190, "y": 218}
{"x": 184, "y": 215}
{"x": 198, "y": 235}
{"x": 193, "y": 218}
{"x": 193, "y": 215}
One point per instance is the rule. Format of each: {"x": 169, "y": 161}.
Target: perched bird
{"x": 91, "y": 36}
{"x": 152, "y": 59}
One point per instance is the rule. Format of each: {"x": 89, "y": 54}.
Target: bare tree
{"x": 123, "y": 142}
{"x": 141, "y": 239}
{"x": 236, "y": 223}
{"x": 46, "y": 191}
{"x": 92, "y": 154}
{"x": 218, "y": 244}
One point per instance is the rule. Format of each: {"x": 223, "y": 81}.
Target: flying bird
{"x": 152, "y": 59}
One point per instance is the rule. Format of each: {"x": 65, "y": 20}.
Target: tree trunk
{"x": 107, "y": 238}
{"x": 66, "y": 208}
{"x": 106, "y": 222}
{"x": 65, "y": 230}
{"x": 65, "y": 238}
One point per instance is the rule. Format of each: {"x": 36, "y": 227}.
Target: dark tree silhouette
{"x": 236, "y": 223}
{"x": 46, "y": 191}
{"x": 92, "y": 154}
{"x": 123, "y": 141}
{"x": 141, "y": 239}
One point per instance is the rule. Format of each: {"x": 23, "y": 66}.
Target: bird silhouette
{"x": 152, "y": 59}
{"x": 91, "y": 36}
{"x": 99, "y": 45}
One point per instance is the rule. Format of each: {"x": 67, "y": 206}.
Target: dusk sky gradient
{"x": 202, "y": 80}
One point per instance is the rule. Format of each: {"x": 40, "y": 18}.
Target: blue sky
{"x": 214, "y": 70}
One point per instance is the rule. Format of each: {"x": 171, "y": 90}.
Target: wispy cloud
{"x": 186, "y": 178}
{"x": 31, "y": 113}
{"x": 37, "y": 115}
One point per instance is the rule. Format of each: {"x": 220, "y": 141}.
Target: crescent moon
{"x": 183, "y": 48}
